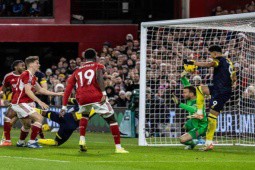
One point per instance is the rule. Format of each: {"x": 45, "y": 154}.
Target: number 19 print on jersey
{"x": 87, "y": 88}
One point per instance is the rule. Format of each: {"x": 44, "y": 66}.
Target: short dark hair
{"x": 15, "y": 63}
{"x": 90, "y": 53}
{"x": 72, "y": 61}
{"x": 191, "y": 89}
{"x": 31, "y": 59}
{"x": 215, "y": 48}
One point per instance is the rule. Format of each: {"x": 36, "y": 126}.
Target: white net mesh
{"x": 166, "y": 46}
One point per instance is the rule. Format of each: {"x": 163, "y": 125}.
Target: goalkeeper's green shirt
{"x": 190, "y": 105}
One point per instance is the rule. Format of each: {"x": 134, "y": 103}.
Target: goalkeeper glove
{"x": 188, "y": 62}
{"x": 184, "y": 73}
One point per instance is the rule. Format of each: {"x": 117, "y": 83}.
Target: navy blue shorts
{"x": 67, "y": 125}
{"x": 63, "y": 135}
{"x": 218, "y": 99}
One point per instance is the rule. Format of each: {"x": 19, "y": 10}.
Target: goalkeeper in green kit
{"x": 196, "y": 126}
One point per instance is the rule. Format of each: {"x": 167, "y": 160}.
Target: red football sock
{"x": 41, "y": 134}
{"x": 115, "y": 132}
{"x": 36, "y": 127}
{"x": 7, "y": 130}
{"x": 23, "y": 133}
{"x": 83, "y": 125}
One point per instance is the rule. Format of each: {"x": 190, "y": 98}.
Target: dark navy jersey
{"x": 41, "y": 78}
{"x": 222, "y": 75}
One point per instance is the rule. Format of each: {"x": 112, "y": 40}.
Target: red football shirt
{"x": 20, "y": 96}
{"x": 87, "y": 88}
{"x": 10, "y": 80}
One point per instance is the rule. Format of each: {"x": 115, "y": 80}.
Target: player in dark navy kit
{"x": 41, "y": 80}
{"x": 220, "y": 91}
{"x": 68, "y": 123}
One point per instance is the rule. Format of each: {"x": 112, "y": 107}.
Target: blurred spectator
{"x": 110, "y": 91}
{"x": 250, "y": 7}
{"x": 34, "y": 9}
{"x": 128, "y": 97}
{"x": 129, "y": 37}
{"x": 48, "y": 74}
{"x": 57, "y": 100}
{"x": 2, "y": 8}
{"x": 72, "y": 67}
{"x": 17, "y": 8}
{"x": 78, "y": 61}
{"x": 121, "y": 100}
{"x": 62, "y": 77}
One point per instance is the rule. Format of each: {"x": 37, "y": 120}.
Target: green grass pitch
{"x": 101, "y": 155}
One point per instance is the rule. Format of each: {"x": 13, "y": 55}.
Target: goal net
{"x": 163, "y": 47}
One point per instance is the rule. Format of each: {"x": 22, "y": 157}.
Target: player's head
{"x": 215, "y": 51}
{"x": 189, "y": 92}
{"x": 32, "y": 62}
{"x": 18, "y": 66}
{"x": 89, "y": 54}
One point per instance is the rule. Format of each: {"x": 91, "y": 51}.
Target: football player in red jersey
{"x": 90, "y": 93}
{"x": 9, "y": 82}
{"x": 23, "y": 102}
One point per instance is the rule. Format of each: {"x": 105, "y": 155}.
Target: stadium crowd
{"x": 26, "y": 8}
{"x": 250, "y": 7}
{"x": 121, "y": 76}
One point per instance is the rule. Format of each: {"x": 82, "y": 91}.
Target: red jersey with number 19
{"x": 87, "y": 88}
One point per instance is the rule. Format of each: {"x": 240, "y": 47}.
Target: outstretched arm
{"x": 205, "y": 64}
{"x": 213, "y": 63}
{"x": 44, "y": 91}
{"x": 184, "y": 80}
{"x": 69, "y": 87}
{"x": 190, "y": 109}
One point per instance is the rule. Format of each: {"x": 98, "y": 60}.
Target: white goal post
{"x": 163, "y": 46}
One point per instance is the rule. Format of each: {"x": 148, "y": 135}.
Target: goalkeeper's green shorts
{"x": 196, "y": 128}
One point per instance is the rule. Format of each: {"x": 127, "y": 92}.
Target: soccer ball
{"x": 45, "y": 127}
{"x": 190, "y": 68}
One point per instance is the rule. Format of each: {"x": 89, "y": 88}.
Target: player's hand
{"x": 175, "y": 99}
{"x": 43, "y": 105}
{"x": 60, "y": 94}
{"x": 196, "y": 116}
{"x": 188, "y": 62}
{"x": 62, "y": 112}
{"x": 184, "y": 73}
{"x": 103, "y": 99}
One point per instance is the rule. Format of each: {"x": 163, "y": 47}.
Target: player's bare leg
{"x": 186, "y": 139}
{"x": 114, "y": 127}
{"x": 9, "y": 120}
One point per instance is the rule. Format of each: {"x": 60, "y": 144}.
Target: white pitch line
{"x": 199, "y": 161}
{"x": 36, "y": 159}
